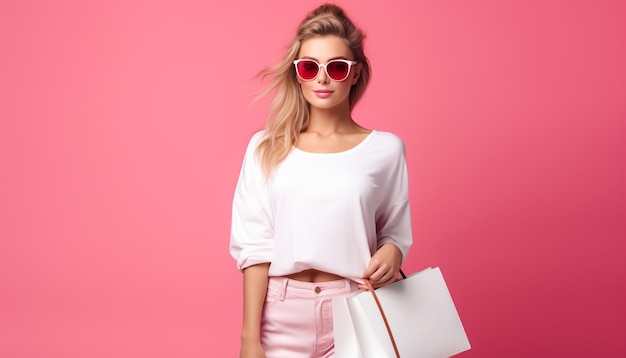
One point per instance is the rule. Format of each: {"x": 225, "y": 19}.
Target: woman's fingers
{"x": 383, "y": 277}
{"x": 384, "y": 265}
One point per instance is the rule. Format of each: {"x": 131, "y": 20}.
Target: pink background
{"x": 123, "y": 125}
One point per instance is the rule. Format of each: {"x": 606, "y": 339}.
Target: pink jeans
{"x": 298, "y": 317}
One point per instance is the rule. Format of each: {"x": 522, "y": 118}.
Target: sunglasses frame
{"x": 319, "y": 66}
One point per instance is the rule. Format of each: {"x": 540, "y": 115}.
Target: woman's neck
{"x": 330, "y": 121}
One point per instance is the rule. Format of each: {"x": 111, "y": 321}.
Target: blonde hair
{"x": 289, "y": 111}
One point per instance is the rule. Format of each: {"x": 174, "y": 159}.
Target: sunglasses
{"x": 337, "y": 70}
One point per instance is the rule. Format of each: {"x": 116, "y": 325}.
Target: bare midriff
{"x": 314, "y": 276}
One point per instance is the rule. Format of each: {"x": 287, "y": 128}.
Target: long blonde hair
{"x": 289, "y": 111}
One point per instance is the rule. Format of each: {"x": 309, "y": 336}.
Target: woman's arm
{"x": 254, "y": 290}
{"x": 393, "y": 220}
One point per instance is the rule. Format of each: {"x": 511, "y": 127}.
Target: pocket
{"x": 272, "y": 296}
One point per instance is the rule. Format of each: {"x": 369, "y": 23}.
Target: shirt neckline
{"x": 349, "y": 150}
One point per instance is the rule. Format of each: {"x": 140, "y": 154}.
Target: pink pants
{"x": 298, "y": 317}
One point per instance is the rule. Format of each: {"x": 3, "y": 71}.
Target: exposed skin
{"x": 384, "y": 266}
{"x": 255, "y": 281}
{"x": 331, "y": 129}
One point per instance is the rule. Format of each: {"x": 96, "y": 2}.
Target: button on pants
{"x": 298, "y": 317}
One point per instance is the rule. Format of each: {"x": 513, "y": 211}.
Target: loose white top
{"x": 324, "y": 211}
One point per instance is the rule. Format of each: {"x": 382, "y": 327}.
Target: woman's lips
{"x": 323, "y": 93}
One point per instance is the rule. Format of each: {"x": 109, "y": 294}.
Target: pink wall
{"x": 123, "y": 124}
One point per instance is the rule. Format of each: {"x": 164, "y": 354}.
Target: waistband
{"x": 313, "y": 289}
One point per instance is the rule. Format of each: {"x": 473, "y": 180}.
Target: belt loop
{"x": 283, "y": 290}
{"x": 353, "y": 285}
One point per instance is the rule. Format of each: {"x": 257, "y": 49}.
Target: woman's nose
{"x": 322, "y": 76}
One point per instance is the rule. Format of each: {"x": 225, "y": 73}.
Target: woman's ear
{"x": 357, "y": 73}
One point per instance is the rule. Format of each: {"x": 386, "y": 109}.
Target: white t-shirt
{"x": 324, "y": 211}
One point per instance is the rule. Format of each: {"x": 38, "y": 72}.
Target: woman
{"x": 321, "y": 202}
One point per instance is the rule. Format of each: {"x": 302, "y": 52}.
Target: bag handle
{"x": 370, "y": 287}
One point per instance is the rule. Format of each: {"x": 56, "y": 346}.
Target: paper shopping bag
{"x": 421, "y": 315}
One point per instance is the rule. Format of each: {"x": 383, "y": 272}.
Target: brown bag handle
{"x": 370, "y": 287}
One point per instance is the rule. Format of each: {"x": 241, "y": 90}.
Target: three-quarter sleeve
{"x": 393, "y": 217}
{"x": 252, "y": 229}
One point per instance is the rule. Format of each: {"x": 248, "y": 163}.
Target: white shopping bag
{"x": 419, "y": 310}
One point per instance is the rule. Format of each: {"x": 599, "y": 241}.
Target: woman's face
{"x": 322, "y": 92}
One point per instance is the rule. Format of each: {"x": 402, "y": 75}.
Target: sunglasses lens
{"x": 307, "y": 70}
{"x": 337, "y": 70}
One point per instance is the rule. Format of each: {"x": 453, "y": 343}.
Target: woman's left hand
{"x": 384, "y": 266}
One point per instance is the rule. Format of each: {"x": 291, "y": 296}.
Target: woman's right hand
{"x": 252, "y": 350}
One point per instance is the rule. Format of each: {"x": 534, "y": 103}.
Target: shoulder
{"x": 255, "y": 140}
{"x": 257, "y": 137}
{"x": 388, "y": 141}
